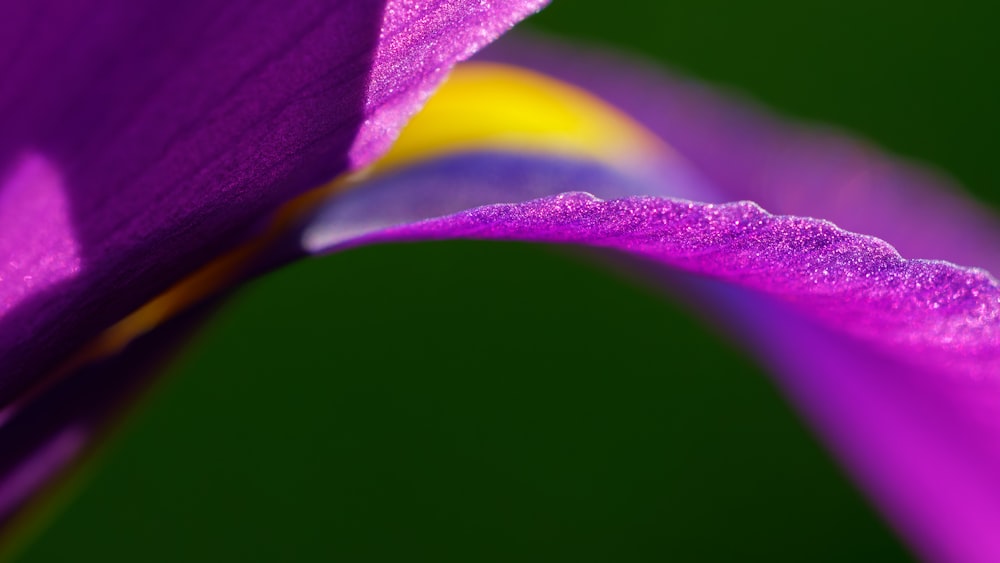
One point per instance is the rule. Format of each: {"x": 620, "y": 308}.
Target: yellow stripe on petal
{"x": 487, "y": 106}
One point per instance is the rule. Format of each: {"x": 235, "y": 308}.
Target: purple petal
{"x": 789, "y": 169}
{"x": 895, "y": 360}
{"x": 32, "y": 258}
{"x": 935, "y": 314}
{"x": 141, "y": 138}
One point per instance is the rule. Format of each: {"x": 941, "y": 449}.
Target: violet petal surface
{"x": 142, "y": 138}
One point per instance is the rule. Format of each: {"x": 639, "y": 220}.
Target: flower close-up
{"x": 232, "y": 325}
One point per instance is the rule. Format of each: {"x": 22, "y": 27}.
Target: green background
{"x": 473, "y": 401}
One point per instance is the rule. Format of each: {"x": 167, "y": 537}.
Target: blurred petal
{"x": 922, "y": 445}
{"x": 142, "y": 138}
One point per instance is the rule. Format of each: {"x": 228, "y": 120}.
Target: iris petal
{"x": 140, "y": 139}
{"x": 176, "y": 126}
{"x": 939, "y": 315}
{"x": 745, "y": 152}
{"x": 37, "y": 245}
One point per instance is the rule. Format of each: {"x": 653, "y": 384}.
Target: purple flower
{"x": 134, "y": 154}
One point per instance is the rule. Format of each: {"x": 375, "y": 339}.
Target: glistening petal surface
{"x": 747, "y": 153}
{"x": 933, "y": 313}
{"x": 894, "y": 360}
{"x": 166, "y": 130}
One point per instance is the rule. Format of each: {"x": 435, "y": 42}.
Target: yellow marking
{"x": 486, "y": 106}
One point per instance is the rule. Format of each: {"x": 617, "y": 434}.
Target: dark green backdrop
{"x": 467, "y": 401}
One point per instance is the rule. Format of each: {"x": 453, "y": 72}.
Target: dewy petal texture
{"x": 173, "y": 127}
{"x": 935, "y": 314}
{"x": 787, "y": 168}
